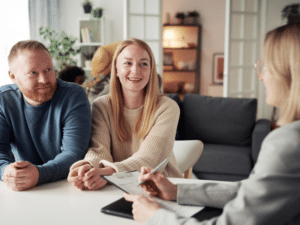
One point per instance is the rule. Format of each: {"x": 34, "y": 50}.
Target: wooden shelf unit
{"x": 183, "y": 44}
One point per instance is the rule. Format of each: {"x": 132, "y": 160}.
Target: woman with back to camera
{"x": 133, "y": 126}
{"x": 271, "y": 194}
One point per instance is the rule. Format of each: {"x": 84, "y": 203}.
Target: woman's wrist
{"x": 108, "y": 170}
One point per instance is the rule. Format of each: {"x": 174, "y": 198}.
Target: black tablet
{"x": 120, "y": 208}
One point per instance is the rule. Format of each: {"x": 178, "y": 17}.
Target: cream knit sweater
{"x": 107, "y": 150}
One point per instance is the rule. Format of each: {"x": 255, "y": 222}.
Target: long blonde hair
{"x": 152, "y": 95}
{"x": 282, "y": 55}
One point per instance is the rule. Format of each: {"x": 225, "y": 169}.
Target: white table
{"x": 61, "y": 203}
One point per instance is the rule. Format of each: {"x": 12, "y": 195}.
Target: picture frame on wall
{"x": 218, "y": 68}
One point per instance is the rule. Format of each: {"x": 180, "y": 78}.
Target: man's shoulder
{"x": 69, "y": 86}
{"x": 10, "y": 98}
{"x": 9, "y": 88}
{"x": 69, "y": 95}
{"x": 9, "y": 91}
{"x": 69, "y": 89}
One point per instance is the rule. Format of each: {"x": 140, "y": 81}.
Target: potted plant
{"x": 97, "y": 13}
{"x": 192, "y": 17}
{"x": 61, "y": 47}
{"x": 87, "y": 6}
{"x": 180, "y": 17}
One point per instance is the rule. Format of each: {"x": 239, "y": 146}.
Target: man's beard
{"x": 36, "y": 96}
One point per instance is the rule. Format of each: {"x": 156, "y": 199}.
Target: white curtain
{"x": 43, "y": 13}
{"x": 14, "y": 26}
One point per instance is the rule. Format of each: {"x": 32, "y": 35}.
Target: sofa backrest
{"x": 217, "y": 120}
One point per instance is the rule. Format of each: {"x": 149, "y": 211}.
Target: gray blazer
{"x": 270, "y": 195}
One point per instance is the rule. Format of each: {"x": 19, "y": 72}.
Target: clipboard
{"x": 128, "y": 182}
{"x": 120, "y": 180}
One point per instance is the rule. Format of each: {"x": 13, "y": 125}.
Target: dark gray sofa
{"x": 228, "y": 128}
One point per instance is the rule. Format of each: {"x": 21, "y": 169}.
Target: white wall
{"x": 212, "y": 19}
{"x": 72, "y": 11}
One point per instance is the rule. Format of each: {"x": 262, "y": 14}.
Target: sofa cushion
{"x": 217, "y": 158}
{"x": 217, "y": 120}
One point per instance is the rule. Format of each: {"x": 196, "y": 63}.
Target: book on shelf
{"x": 83, "y": 35}
{"x": 86, "y": 35}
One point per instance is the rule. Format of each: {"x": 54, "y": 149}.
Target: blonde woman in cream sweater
{"x": 133, "y": 126}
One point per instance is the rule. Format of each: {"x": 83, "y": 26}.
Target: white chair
{"x": 186, "y": 154}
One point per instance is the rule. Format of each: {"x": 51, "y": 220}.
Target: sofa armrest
{"x": 261, "y": 130}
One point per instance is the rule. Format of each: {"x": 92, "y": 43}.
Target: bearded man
{"x": 44, "y": 122}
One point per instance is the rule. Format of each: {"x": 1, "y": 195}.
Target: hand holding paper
{"x": 163, "y": 163}
{"x": 158, "y": 185}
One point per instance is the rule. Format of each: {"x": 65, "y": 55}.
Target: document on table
{"x": 128, "y": 182}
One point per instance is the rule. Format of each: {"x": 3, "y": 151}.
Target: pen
{"x": 157, "y": 168}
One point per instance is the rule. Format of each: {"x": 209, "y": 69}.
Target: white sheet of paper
{"x": 128, "y": 182}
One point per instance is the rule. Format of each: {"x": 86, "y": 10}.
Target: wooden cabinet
{"x": 181, "y": 58}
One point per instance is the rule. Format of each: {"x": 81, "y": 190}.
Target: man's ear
{"x": 12, "y": 76}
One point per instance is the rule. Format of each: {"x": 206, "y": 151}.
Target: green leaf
{"x": 61, "y": 46}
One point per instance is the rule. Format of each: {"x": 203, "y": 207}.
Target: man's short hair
{"x": 23, "y": 45}
{"x": 69, "y": 73}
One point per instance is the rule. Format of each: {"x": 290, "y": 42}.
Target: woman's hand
{"x": 77, "y": 172}
{"x": 158, "y": 185}
{"x": 93, "y": 180}
{"x": 142, "y": 208}
{"x": 83, "y": 176}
